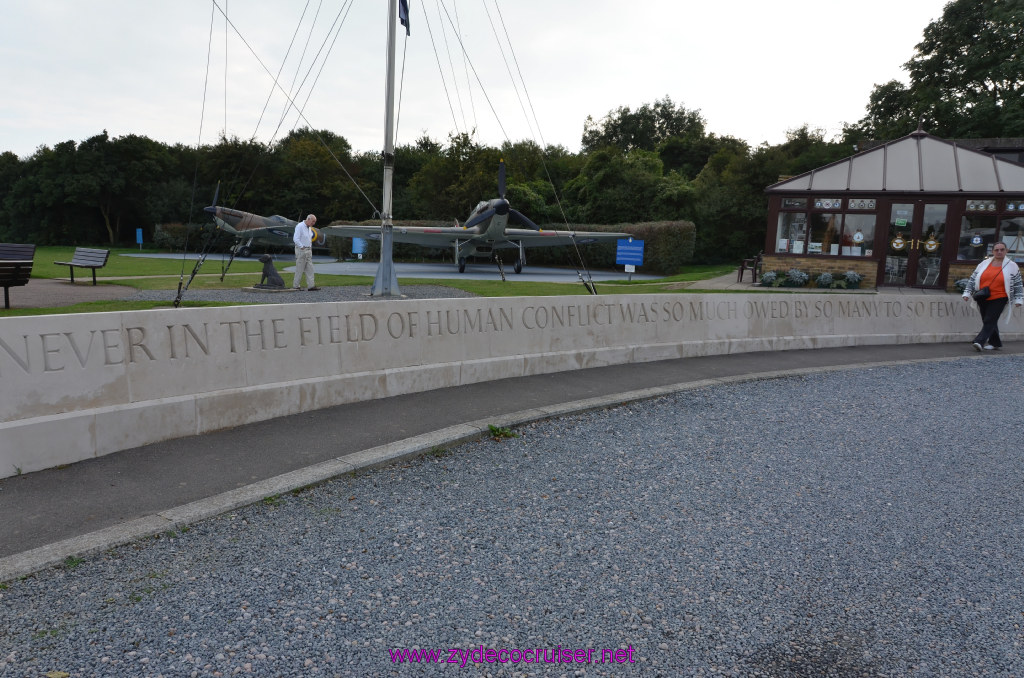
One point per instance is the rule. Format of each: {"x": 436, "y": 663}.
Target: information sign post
{"x": 630, "y": 253}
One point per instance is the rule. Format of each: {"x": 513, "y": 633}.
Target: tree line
{"x": 655, "y": 163}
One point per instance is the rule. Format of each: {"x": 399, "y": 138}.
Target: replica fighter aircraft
{"x": 487, "y": 229}
{"x": 249, "y": 229}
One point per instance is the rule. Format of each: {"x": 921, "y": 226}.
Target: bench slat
{"x": 15, "y": 268}
{"x": 84, "y": 263}
{"x": 17, "y": 252}
{"x": 87, "y": 258}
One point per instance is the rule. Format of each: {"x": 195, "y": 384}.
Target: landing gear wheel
{"x": 462, "y": 264}
{"x": 518, "y": 266}
{"x": 244, "y": 251}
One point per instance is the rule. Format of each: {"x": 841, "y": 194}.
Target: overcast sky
{"x": 754, "y": 69}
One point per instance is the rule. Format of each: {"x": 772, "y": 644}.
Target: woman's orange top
{"x": 992, "y": 278}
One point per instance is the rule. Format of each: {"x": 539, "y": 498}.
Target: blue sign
{"x": 630, "y": 252}
{"x": 358, "y": 246}
{"x": 138, "y": 236}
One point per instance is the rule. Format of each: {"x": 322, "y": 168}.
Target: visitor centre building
{"x": 919, "y": 211}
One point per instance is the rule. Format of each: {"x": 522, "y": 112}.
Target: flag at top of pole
{"x": 403, "y": 14}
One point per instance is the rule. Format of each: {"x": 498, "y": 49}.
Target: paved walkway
{"x": 54, "y": 293}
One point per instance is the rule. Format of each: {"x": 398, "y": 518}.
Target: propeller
{"x": 522, "y": 219}
{"x": 502, "y": 207}
{"x": 212, "y": 209}
{"x": 480, "y": 218}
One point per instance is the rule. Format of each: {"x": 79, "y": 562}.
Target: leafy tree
{"x": 98, "y": 181}
{"x": 615, "y": 187}
{"x": 10, "y": 170}
{"x": 646, "y": 128}
{"x": 449, "y": 184}
{"x": 966, "y": 77}
{"x": 803, "y": 150}
{"x": 146, "y": 165}
{"x": 537, "y": 183}
{"x": 730, "y": 204}
{"x": 236, "y": 166}
{"x": 531, "y": 171}
{"x": 39, "y": 206}
{"x": 729, "y": 210}
{"x": 892, "y": 113}
{"x": 116, "y": 177}
{"x": 168, "y": 200}
{"x": 674, "y": 198}
{"x": 409, "y": 160}
{"x": 308, "y": 178}
{"x": 532, "y": 198}
{"x": 689, "y": 153}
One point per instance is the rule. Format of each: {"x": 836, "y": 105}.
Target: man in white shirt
{"x": 303, "y": 238}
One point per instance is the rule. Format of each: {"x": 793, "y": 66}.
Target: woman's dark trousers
{"x": 990, "y": 309}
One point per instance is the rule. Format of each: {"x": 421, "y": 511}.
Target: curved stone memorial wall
{"x": 84, "y": 385}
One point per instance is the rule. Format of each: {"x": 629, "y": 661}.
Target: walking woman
{"x": 1001, "y": 278}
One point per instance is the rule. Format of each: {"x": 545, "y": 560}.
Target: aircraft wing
{"x": 543, "y": 238}
{"x": 430, "y": 236}
{"x": 445, "y": 236}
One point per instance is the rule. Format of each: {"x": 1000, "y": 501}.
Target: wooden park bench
{"x": 15, "y": 267}
{"x": 86, "y": 258}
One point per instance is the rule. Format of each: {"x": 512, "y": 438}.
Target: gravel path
{"x": 846, "y": 524}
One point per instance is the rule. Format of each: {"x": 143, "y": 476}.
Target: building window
{"x": 985, "y": 223}
{"x": 1011, "y": 232}
{"x": 826, "y": 228}
{"x": 833, "y": 227}
{"x": 792, "y": 233}
{"x": 858, "y": 235}
{"x": 977, "y": 233}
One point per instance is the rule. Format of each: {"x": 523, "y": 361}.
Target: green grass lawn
{"x": 164, "y": 274}
{"x": 129, "y": 266}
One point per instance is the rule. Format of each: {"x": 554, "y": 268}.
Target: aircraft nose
{"x": 212, "y": 209}
{"x": 502, "y": 208}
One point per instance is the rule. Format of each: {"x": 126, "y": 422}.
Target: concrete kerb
{"x": 175, "y": 518}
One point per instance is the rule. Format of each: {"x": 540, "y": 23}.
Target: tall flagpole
{"x": 386, "y": 281}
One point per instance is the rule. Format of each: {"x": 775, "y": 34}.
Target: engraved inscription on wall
{"x": 47, "y": 353}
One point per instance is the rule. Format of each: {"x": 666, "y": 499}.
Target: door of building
{"x": 917, "y": 242}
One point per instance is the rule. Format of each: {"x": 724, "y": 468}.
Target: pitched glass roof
{"x": 918, "y": 162}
